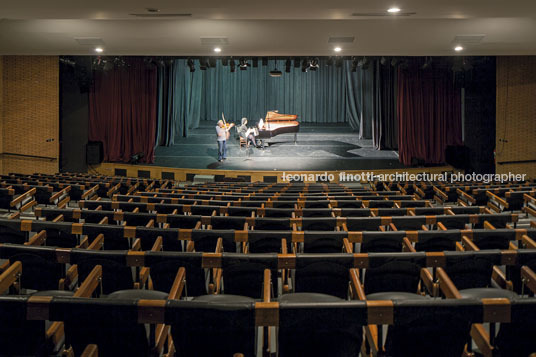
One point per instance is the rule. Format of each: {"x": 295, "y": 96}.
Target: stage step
{"x": 203, "y": 179}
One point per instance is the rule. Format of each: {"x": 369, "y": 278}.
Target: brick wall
{"x": 516, "y": 114}
{"x": 30, "y": 113}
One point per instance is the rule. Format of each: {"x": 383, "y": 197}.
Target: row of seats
{"x": 162, "y": 278}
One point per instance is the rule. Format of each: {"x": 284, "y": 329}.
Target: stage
{"x": 320, "y": 147}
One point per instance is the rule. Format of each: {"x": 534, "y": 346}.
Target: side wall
{"x": 516, "y": 115}
{"x": 30, "y": 114}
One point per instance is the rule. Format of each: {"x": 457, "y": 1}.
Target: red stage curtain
{"x": 429, "y": 112}
{"x": 122, "y": 111}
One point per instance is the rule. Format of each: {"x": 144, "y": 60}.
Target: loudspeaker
{"x": 457, "y": 156}
{"x": 94, "y": 152}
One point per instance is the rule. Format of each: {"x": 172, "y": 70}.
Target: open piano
{"x": 276, "y": 124}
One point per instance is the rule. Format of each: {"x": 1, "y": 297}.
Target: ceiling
{"x": 261, "y": 28}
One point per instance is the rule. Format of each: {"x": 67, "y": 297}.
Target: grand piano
{"x": 276, "y": 124}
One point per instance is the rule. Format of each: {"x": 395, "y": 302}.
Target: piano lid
{"x": 273, "y": 115}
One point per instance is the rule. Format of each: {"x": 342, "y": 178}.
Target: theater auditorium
{"x": 268, "y": 179}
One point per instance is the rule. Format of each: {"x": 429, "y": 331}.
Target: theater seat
{"x": 22, "y": 337}
{"x": 392, "y": 277}
{"x": 214, "y": 325}
{"x": 116, "y": 335}
{"x": 488, "y": 293}
{"x": 442, "y": 334}
{"x": 328, "y": 332}
{"x": 320, "y": 275}
{"x": 517, "y": 339}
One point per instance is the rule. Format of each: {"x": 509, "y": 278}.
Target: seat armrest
{"x": 446, "y": 285}
{"x": 428, "y": 281}
{"x": 407, "y": 246}
{"x": 97, "y": 243}
{"x": 136, "y": 245}
{"x": 10, "y": 276}
{"x": 357, "y": 289}
{"x": 178, "y": 284}
{"x": 528, "y": 278}
{"x": 90, "y": 351}
{"x": 498, "y": 276}
{"x": 92, "y": 281}
{"x": 267, "y": 286}
{"x": 468, "y": 244}
{"x": 38, "y": 239}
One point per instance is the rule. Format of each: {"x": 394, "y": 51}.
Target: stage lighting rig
{"x": 190, "y": 63}
{"x": 243, "y": 63}
{"x": 275, "y": 72}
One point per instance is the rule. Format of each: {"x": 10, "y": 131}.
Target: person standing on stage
{"x": 222, "y": 135}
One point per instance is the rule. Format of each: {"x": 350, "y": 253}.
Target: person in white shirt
{"x": 222, "y": 134}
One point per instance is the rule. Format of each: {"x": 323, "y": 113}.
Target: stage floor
{"x": 319, "y": 147}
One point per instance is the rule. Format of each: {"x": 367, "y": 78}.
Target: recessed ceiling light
{"x": 458, "y": 48}
{"x": 393, "y": 10}
{"x": 337, "y": 49}
{"x": 217, "y": 50}
{"x": 99, "y": 49}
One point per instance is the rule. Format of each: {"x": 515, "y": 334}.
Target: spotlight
{"x": 427, "y": 63}
{"x": 393, "y": 10}
{"x": 288, "y": 63}
{"x": 147, "y": 60}
{"x": 190, "y": 63}
{"x": 354, "y": 64}
{"x": 217, "y": 50}
{"x": 67, "y": 61}
{"x": 120, "y": 62}
{"x": 314, "y": 64}
{"x": 97, "y": 63}
{"x": 337, "y": 49}
{"x": 99, "y": 50}
{"x": 243, "y": 64}
{"x": 108, "y": 65}
{"x": 363, "y": 63}
{"x": 275, "y": 72}
{"x": 458, "y": 48}
{"x": 304, "y": 65}
{"x": 466, "y": 64}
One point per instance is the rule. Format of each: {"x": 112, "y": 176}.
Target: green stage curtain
{"x": 328, "y": 95}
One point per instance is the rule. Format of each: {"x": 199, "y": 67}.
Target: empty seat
{"x": 117, "y": 333}
{"x": 323, "y": 273}
{"x": 305, "y": 329}
{"x": 214, "y": 325}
